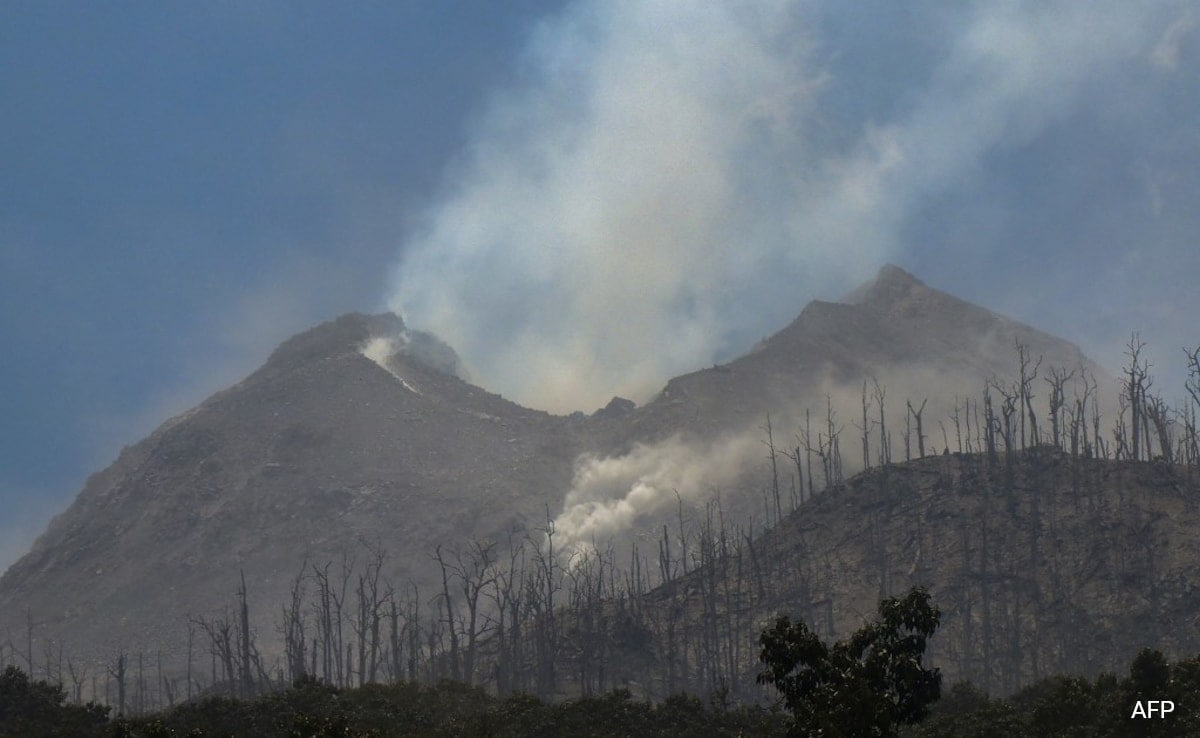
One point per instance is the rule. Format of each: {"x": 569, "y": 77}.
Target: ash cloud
{"x": 664, "y": 184}
{"x": 610, "y": 494}
{"x": 610, "y": 215}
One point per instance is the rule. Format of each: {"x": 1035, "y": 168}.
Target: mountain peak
{"x": 890, "y": 286}
{"x": 344, "y": 334}
{"x": 322, "y": 448}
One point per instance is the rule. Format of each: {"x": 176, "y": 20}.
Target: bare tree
{"x": 991, "y": 425}
{"x": 247, "y": 678}
{"x": 1057, "y": 380}
{"x": 475, "y": 571}
{"x": 1120, "y": 430}
{"x": 1025, "y": 394}
{"x": 167, "y": 686}
{"x": 118, "y": 672}
{"x": 1010, "y": 402}
{"x": 447, "y": 602}
{"x": 1134, "y": 392}
{"x": 1159, "y": 417}
{"x": 507, "y": 595}
{"x": 543, "y": 584}
{"x": 414, "y": 633}
{"x": 805, "y": 438}
{"x": 330, "y": 610}
{"x": 338, "y": 597}
{"x": 372, "y": 603}
{"x": 773, "y": 458}
{"x": 885, "y": 447}
{"x": 958, "y": 425}
{"x": 916, "y": 416}
{"x": 1192, "y": 385}
{"x": 294, "y": 625}
{"x": 77, "y": 678}
{"x": 395, "y": 656}
{"x": 323, "y": 641}
{"x": 834, "y": 432}
{"x": 191, "y": 636}
{"x": 865, "y": 428}
{"x": 29, "y": 641}
{"x": 220, "y": 634}
{"x": 798, "y": 493}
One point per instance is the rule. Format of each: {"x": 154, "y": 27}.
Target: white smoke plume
{"x": 606, "y": 217}
{"x": 609, "y": 495}
{"x": 379, "y": 349}
{"x": 662, "y": 186}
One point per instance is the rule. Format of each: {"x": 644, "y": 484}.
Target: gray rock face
{"x": 434, "y": 352}
{"x": 317, "y": 451}
{"x": 917, "y": 342}
{"x": 616, "y": 408}
{"x": 324, "y": 448}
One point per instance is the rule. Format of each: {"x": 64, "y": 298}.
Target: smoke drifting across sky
{"x": 669, "y": 178}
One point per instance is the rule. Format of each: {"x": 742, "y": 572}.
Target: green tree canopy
{"x": 868, "y": 685}
{"x": 30, "y": 709}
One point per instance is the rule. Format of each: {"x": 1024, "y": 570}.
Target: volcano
{"x": 360, "y": 433}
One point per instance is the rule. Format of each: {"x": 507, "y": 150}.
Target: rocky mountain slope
{"x": 348, "y": 436}
{"x": 1042, "y": 563}
{"x": 918, "y": 342}
{"x": 319, "y": 450}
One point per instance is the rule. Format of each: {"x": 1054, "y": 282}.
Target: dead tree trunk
{"x": 118, "y": 673}
{"x": 1192, "y": 385}
{"x": 475, "y": 574}
{"x": 247, "y": 683}
{"x": 1025, "y": 393}
{"x": 324, "y": 607}
{"x": 885, "y": 446}
{"x": 991, "y": 425}
{"x": 770, "y": 442}
{"x": 294, "y": 638}
{"x": 1159, "y": 416}
{"x": 371, "y": 605}
{"x": 449, "y": 617}
{"x": 958, "y": 426}
{"x": 1057, "y": 380}
{"x": 1135, "y": 387}
{"x": 916, "y": 415}
{"x": 866, "y": 429}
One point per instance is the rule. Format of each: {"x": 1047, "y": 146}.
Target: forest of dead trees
{"x": 683, "y": 614}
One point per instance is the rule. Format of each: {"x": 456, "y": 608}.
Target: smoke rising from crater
{"x": 607, "y": 217}
{"x": 667, "y": 182}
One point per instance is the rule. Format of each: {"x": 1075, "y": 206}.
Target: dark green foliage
{"x": 30, "y": 709}
{"x": 1064, "y": 706}
{"x": 311, "y": 709}
{"x": 1057, "y": 707}
{"x": 1151, "y": 677}
{"x": 868, "y": 685}
{"x": 1073, "y": 707}
{"x": 965, "y": 712}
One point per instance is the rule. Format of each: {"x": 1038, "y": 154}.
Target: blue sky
{"x": 584, "y": 198}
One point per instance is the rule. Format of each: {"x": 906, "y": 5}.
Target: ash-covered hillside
{"x": 919, "y": 343}
{"x": 1041, "y": 561}
{"x": 318, "y": 451}
{"x": 359, "y": 436}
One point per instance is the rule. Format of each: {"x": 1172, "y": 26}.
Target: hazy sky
{"x": 583, "y": 198}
